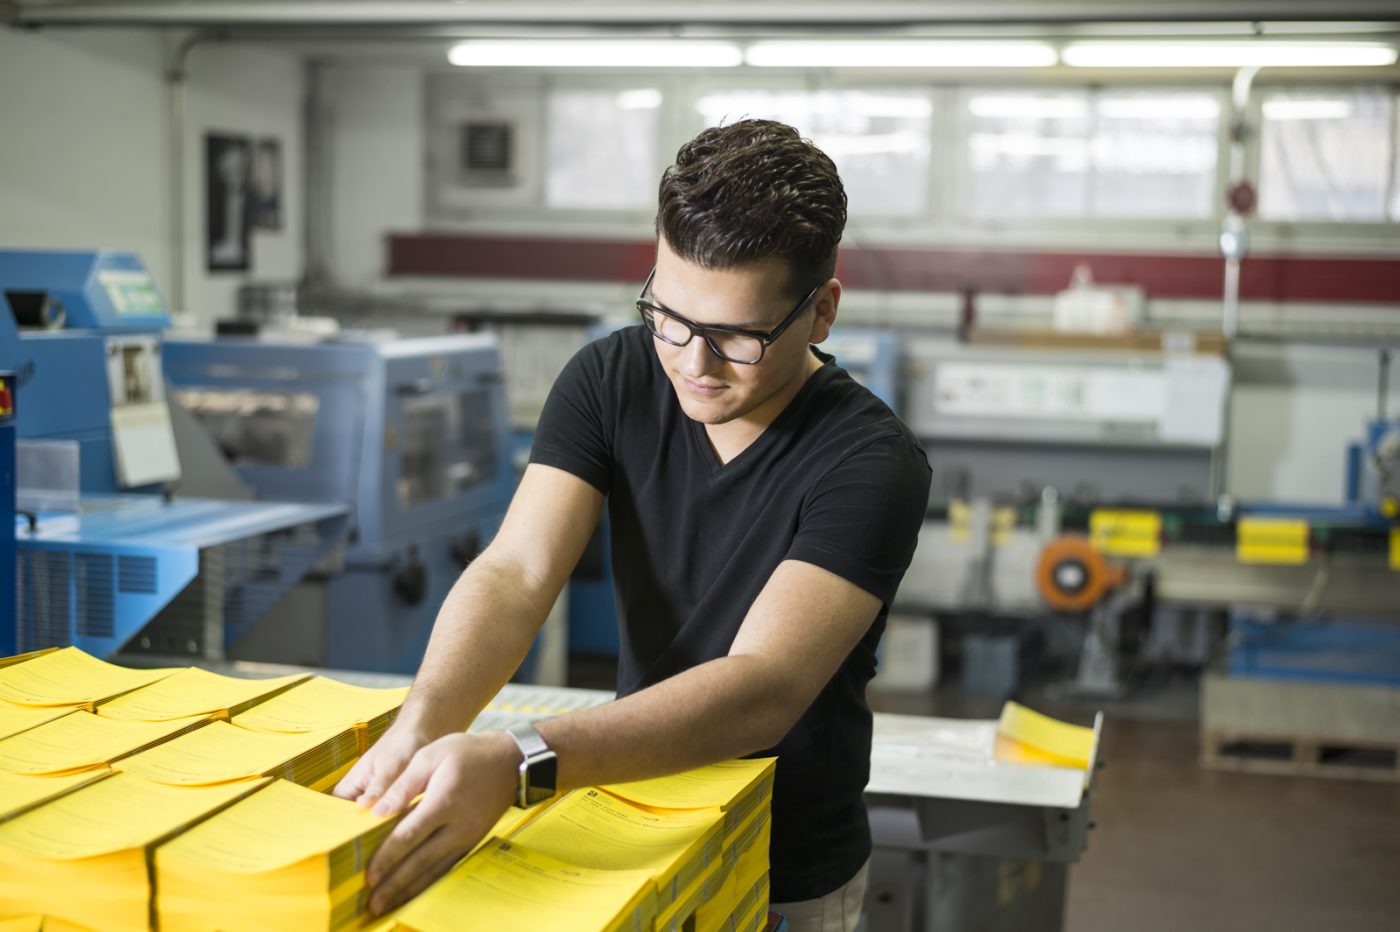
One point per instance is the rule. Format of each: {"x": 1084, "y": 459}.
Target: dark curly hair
{"x": 750, "y": 191}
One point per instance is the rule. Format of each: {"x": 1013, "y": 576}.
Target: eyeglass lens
{"x": 735, "y": 347}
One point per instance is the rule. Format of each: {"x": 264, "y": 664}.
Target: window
{"x": 1083, "y": 154}
{"x": 602, "y": 148}
{"x": 879, "y": 139}
{"x": 1153, "y": 155}
{"x": 1325, "y": 155}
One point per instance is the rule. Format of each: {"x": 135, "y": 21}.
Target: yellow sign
{"x": 959, "y": 521}
{"x": 1271, "y": 540}
{"x": 1126, "y": 533}
{"x": 1395, "y": 548}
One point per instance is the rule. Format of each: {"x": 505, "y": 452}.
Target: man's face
{"x": 715, "y": 391}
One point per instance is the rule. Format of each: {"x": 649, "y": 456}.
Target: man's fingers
{"x": 420, "y": 882}
{"x": 410, "y": 783}
{"x": 352, "y": 785}
{"x": 423, "y": 865}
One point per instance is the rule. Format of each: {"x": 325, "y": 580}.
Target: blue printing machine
{"x": 413, "y": 433}
{"x": 76, "y": 318}
{"x": 106, "y": 578}
{"x": 82, "y": 331}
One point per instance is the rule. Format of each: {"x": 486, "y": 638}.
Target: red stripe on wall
{"x": 1348, "y": 279}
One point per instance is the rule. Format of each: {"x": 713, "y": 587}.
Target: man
{"x": 764, "y": 507}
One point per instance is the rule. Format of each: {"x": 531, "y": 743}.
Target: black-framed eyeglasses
{"x": 735, "y": 344}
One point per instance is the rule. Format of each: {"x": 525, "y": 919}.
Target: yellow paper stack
{"x": 21, "y": 658}
{"x": 285, "y": 857}
{"x": 733, "y": 887}
{"x": 83, "y": 858}
{"x": 17, "y": 718}
{"x": 82, "y": 741}
{"x": 221, "y": 753}
{"x": 193, "y": 691}
{"x": 20, "y": 792}
{"x": 592, "y": 828}
{"x": 690, "y": 850}
{"x": 505, "y": 885}
{"x": 319, "y": 704}
{"x": 71, "y": 678}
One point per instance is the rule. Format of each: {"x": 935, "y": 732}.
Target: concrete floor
{"x": 1179, "y": 848}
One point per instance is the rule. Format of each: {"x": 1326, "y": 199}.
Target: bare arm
{"x": 487, "y": 621}
{"x": 794, "y": 637}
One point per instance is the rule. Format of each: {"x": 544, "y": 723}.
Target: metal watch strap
{"x": 536, "y": 758}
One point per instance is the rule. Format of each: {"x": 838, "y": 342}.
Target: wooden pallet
{"x": 1290, "y": 755}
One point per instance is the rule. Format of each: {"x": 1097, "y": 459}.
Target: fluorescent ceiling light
{"x": 643, "y": 98}
{"x": 1194, "y": 54}
{"x": 897, "y": 53}
{"x": 1317, "y": 109}
{"x": 1027, "y": 107}
{"x": 594, "y": 53}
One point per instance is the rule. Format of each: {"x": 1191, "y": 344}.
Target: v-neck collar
{"x": 766, "y": 438}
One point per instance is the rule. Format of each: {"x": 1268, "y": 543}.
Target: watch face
{"x": 542, "y": 778}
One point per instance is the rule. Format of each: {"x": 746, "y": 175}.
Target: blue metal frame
{"x": 96, "y": 578}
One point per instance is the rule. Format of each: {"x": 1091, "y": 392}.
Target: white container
{"x": 908, "y": 655}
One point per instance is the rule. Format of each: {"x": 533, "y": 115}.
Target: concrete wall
{"x": 85, "y": 154}
{"x": 374, "y": 114}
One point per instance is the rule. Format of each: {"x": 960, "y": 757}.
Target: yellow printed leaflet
{"x": 1041, "y": 739}
{"x": 716, "y": 785}
{"x": 71, "y": 677}
{"x": 82, "y": 741}
{"x": 194, "y": 692}
{"x": 507, "y": 886}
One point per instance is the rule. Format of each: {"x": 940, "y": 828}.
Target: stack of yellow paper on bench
{"x": 193, "y": 691}
{"x": 722, "y": 897}
{"x": 84, "y": 857}
{"x": 505, "y": 885}
{"x": 1024, "y": 736}
{"x": 592, "y": 828}
{"x": 636, "y": 855}
{"x": 220, "y": 752}
{"x": 69, "y": 677}
{"x": 21, "y": 658}
{"x": 319, "y": 704}
{"x": 283, "y": 858}
{"x": 17, "y": 718}
{"x": 20, "y": 792}
{"x": 84, "y": 741}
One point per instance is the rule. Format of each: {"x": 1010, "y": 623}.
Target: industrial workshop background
{"x": 284, "y": 286}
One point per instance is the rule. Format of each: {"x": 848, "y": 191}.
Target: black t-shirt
{"x": 836, "y": 480}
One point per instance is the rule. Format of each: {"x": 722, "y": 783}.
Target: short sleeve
{"x": 862, "y": 519}
{"x": 572, "y": 433}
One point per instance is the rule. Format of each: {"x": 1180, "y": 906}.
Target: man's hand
{"x": 467, "y": 782}
{"x": 381, "y": 765}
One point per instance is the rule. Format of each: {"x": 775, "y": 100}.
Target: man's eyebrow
{"x": 760, "y": 325}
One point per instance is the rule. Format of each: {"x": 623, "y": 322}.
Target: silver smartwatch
{"x": 539, "y": 771}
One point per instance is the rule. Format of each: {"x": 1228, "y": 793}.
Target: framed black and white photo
{"x": 227, "y": 174}
{"x": 267, "y": 184}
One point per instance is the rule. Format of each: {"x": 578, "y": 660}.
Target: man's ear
{"x": 825, "y": 306}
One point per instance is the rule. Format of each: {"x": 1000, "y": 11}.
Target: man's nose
{"x": 697, "y": 358}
